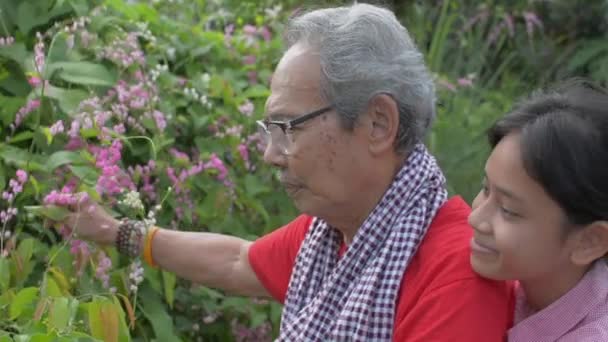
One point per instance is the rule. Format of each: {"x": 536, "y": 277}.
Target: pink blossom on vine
{"x": 29, "y": 107}
{"x": 39, "y": 58}
{"x": 249, "y": 60}
{"x": 217, "y": 164}
{"x": 247, "y": 108}
{"x": 265, "y": 32}
{"x": 244, "y": 152}
{"x": 103, "y": 267}
{"x": 124, "y": 52}
{"x": 532, "y": 21}
{"x": 15, "y": 187}
{"x": 34, "y": 81}
{"x": 7, "y": 41}
{"x": 252, "y": 76}
{"x": 112, "y": 179}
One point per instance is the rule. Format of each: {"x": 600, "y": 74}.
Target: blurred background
{"x": 127, "y": 97}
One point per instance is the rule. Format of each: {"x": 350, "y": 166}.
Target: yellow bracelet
{"x": 148, "y": 246}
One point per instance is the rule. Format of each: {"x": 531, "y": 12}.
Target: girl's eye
{"x": 484, "y": 189}
{"x": 508, "y": 213}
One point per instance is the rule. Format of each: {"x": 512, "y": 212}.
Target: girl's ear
{"x": 591, "y": 243}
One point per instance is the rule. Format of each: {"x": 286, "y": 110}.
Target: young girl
{"x": 542, "y": 215}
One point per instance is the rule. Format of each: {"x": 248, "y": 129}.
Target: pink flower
{"x": 247, "y": 108}
{"x": 21, "y": 176}
{"x": 249, "y": 60}
{"x": 532, "y": 20}
{"x": 34, "y": 81}
{"x": 447, "y": 85}
{"x": 252, "y": 76}
{"x": 265, "y": 32}
{"x": 39, "y": 57}
{"x": 244, "y": 152}
{"x": 508, "y": 20}
{"x": 6, "y": 41}
{"x": 57, "y": 128}
{"x": 250, "y": 30}
{"x": 465, "y": 82}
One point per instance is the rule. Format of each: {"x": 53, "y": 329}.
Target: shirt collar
{"x": 564, "y": 314}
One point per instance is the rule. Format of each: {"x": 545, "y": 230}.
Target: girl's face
{"x": 519, "y": 231}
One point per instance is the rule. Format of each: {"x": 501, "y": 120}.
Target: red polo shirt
{"x": 440, "y": 299}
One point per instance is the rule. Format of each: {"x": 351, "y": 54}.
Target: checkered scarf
{"x": 353, "y": 298}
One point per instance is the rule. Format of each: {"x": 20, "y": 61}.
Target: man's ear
{"x": 383, "y": 123}
{"x": 591, "y": 243}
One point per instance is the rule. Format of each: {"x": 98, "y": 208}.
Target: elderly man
{"x": 379, "y": 252}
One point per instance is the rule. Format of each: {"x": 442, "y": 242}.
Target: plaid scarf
{"x": 353, "y": 298}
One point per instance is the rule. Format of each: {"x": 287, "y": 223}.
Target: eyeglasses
{"x": 279, "y": 133}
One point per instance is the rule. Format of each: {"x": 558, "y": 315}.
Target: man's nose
{"x": 273, "y": 155}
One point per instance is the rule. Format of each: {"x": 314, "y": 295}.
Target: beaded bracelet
{"x": 130, "y": 237}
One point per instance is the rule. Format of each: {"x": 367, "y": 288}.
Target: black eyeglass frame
{"x": 289, "y": 125}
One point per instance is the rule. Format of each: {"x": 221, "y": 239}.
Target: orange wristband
{"x": 148, "y": 246}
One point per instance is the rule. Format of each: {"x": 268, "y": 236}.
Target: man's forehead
{"x": 299, "y": 68}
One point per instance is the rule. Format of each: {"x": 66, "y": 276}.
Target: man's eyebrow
{"x": 279, "y": 116}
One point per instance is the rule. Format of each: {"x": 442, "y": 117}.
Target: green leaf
{"x": 5, "y": 338}
{"x": 257, "y": 91}
{"x": 52, "y": 212}
{"x": 169, "y": 281}
{"x": 157, "y": 315}
{"x": 85, "y": 173}
{"x": 22, "y": 300}
{"x": 22, "y": 136}
{"x": 123, "y": 329}
{"x": 26, "y": 249}
{"x": 31, "y": 14}
{"x": 85, "y": 73}
{"x": 68, "y": 99}
{"x": 5, "y": 274}
{"x": 60, "y": 158}
{"x": 61, "y": 313}
{"x": 103, "y": 319}
{"x": 21, "y": 158}
{"x": 254, "y": 186}
{"x": 49, "y": 287}
{"x": 16, "y": 52}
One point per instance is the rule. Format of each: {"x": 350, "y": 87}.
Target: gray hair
{"x": 364, "y": 52}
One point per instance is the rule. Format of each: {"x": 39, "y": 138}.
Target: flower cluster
{"x": 15, "y": 187}
{"x": 80, "y": 250}
{"x": 242, "y": 333}
{"x": 57, "y": 128}
{"x": 194, "y": 95}
{"x": 113, "y": 179}
{"x": 144, "y": 175}
{"x": 157, "y": 71}
{"x": 7, "y": 41}
{"x": 23, "y": 112}
{"x": 39, "y": 58}
{"x": 247, "y": 108}
{"x": 136, "y": 275}
{"x": 124, "y": 51}
{"x": 104, "y": 264}
{"x": 132, "y": 200}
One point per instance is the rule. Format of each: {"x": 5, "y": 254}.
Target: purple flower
{"x": 532, "y": 21}
{"x": 57, "y": 128}
{"x": 39, "y": 58}
{"x": 247, "y": 108}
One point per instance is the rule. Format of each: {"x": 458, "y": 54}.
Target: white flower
{"x": 132, "y": 200}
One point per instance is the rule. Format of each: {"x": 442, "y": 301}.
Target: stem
{"x": 145, "y": 138}
{"x": 2, "y": 22}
